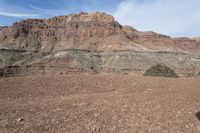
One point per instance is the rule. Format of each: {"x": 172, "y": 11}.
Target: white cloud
{"x": 172, "y": 17}
{"x": 46, "y": 12}
{"x": 18, "y": 15}
{"x": 41, "y": 11}
{"x": 18, "y": 12}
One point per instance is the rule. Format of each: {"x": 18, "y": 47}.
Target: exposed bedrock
{"x": 91, "y": 42}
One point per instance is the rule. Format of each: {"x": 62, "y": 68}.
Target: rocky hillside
{"x": 93, "y": 31}
{"x": 84, "y": 31}
{"x": 92, "y": 42}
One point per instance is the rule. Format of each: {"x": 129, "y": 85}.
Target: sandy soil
{"x": 76, "y": 103}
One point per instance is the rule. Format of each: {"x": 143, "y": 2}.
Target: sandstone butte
{"x": 47, "y": 42}
{"x": 93, "y": 31}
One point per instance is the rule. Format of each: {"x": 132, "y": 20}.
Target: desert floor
{"x": 120, "y": 103}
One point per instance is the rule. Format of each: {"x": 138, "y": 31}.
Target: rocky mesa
{"x": 93, "y": 42}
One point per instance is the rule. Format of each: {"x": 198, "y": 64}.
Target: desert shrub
{"x": 198, "y": 115}
{"x": 1, "y": 73}
{"x": 160, "y": 70}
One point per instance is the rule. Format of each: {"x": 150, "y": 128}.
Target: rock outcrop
{"x": 92, "y": 42}
{"x": 84, "y": 31}
{"x": 93, "y": 31}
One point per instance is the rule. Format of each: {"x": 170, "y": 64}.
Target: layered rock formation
{"x": 92, "y": 42}
{"x": 94, "y": 31}
{"x": 85, "y": 31}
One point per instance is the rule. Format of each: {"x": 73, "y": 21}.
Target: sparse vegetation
{"x": 1, "y": 73}
{"x": 160, "y": 70}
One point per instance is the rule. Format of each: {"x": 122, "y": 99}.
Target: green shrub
{"x": 1, "y": 73}
{"x": 160, "y": 70}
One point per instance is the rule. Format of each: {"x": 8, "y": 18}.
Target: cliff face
{"x": 74, "y": 31}
{"x": 91, "y": 42}
{"x": 93, "y": 31}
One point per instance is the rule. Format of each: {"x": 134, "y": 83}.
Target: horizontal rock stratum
{"x": 94, "y": 31}
{"x": 93, "y": 42}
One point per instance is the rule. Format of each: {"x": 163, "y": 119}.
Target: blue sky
{"x": 171, "y": 17}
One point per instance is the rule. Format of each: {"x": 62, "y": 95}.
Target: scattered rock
{"x": 20, "y": 119}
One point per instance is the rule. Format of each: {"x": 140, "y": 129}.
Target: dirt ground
{"x": 78, "y": 103}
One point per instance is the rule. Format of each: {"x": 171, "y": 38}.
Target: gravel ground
{"x": 104, "y": 103}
